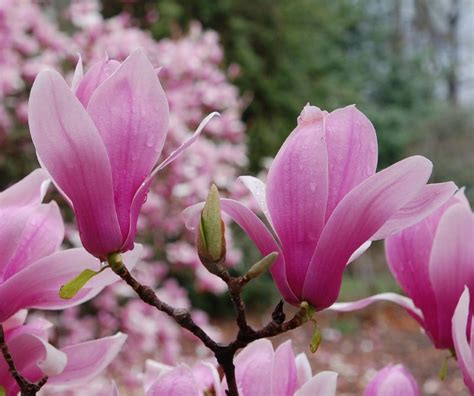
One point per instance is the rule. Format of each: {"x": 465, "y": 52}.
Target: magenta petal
{"x": 264, "y": 240}
{"x": 176, "y": 382}
{"x": 40, "y": 282}
{"x": 28, "y": 234}
{"x": 322, "y": 384}
{"x": 131, "y": 112}
{"x": 88, "y": 359}
{"x": 95, "y": 76}
{"x": 357, "y": 217}
{"x": 284, "y": 376}
{"x": 71, "y": 149}
{"x": 29, "y": 190}
{"x": 297, "y": 189}
{"x": 464, "y": 352}
{"x": 403, "y": 301}
{"x": 352, "y": 152}
{"x": 253, "y": 368}
{"x": 258, "y": 190}
{"x": 430, "y": 198}
{"x": 451, "y": 263}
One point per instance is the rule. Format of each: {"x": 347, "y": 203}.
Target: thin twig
{"x": 26, "y": 388}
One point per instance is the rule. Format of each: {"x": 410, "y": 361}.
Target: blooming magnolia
{"x": 432, "y": 261}
{"x": 100, "y": 141}
{"x": 32, "y": 270}
{"x": 392, "y": 381}
{"x": 464, "y": 348}
{"x": 325, "y": 202}
{"x": 34, "y": 357}
{"x": 259, "y": 371}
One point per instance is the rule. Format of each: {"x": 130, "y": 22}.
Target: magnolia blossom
{"x": 34, "y": 357}
{"x": 32, "y": 269}
{"x": 259, "y": 371}
{"x": 392, "y": 381}
{"x": 325, "y": 203}
{"x": 463, "y": 346}
{"x": 100, "y": 141}
{"x": 432, "y": 261}
{"x": 199, "y": 380}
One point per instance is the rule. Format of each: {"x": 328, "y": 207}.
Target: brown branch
{"x": 224, "y": 353}
{"x": 26, "y": 388}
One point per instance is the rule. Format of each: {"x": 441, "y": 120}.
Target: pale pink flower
{"x": 392, "y": 380}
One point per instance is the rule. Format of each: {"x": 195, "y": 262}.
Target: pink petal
{"x": 451, "y": 264}
{"x": 322, "y": 384}
{"x": 253, "y": 368}
{"x": 352, "y": 152}
{"x": 177, "y": 382}
{"x": 359, "y": 251}
{"x": 430, "y": 198}
{"x": 28, "y": 234}
{"x": 28, "y": 191}
{"x": 464, "y": 352}
{"x": 78, "y": 74}
{"x": 131, "y": 112}
{"x": 392, "y": 381}
{"x": 96, "y": 75}
{"x": 15, "y": 321}
{"x": 357, "y": 217}
{"x": 284, "y": 377}
{"x": 257, "y": 189}
{"x": 154, "y": 370}
{"x": 303, "y": 369}
{"x": 403, "y": 301}
{"x": 88, "y": 359}
{"x": 71, "y": 149}
{"x": 297, "y": 189}
{"x": 40, "y": 282}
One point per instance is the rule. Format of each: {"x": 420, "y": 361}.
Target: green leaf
{"x": 70, "y": 289}
{"x": 443, "y": 371}
{"x": 3, "y": 392}
{"x": 315, "y": 340}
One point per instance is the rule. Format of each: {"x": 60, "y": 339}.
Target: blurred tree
{"x": 330, "y": 53}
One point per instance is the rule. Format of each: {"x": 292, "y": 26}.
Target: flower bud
{"x": 261, "y": 266}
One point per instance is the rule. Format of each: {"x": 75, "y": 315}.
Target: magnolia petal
{"x": 451, "y": 264}
{"x": 403, "y": 301}
{"x": 464, "y": 352}
{"x": 177, "y": 382}
{"x": 296, "y": 194}
{"x": 352, "y": 152}
{"x": 140, "y": 195}
{"x": 40, "y": 282}
{"x": 392, "y": 381}
{"x": 15, "y": 320}
{"x": 28, "y": 191}
{"x": 258, "y": 190}
{"x": 357, "y": 217}
{"x": 359, "y": 252}
{"x": 70, "y": 147}
{"x": 96, "y": 75}
{"x": 322, "y": 384}
{"x": 78, "y": 74}
{"x": 284, "y": 374}
{"x": 430, "y": 198}
{"x": 303, "y": 370}
{"x": 253, "y": 368}
{"x": 28, "y": 234}
{"x": 154, "y": 370}
{"x": 88, "y": 359}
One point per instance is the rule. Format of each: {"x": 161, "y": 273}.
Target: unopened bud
{"x": 261, "y": 266}
{"x": 210, "y": 239}
{"x": 315, "y": 340}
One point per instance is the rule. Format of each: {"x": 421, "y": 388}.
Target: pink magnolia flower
{"x": 461, "y": 331}
{"x": 199, "y": 380}
{"x": 325, "y": 203}
{"x": 34, "y": 357}
{"x": 393, "y": 380}
{"x": 261, "y": 371}
{"x": 432, "y": 261}
{"x": 100, "y": 139}
{"x": 32, "y": 270}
